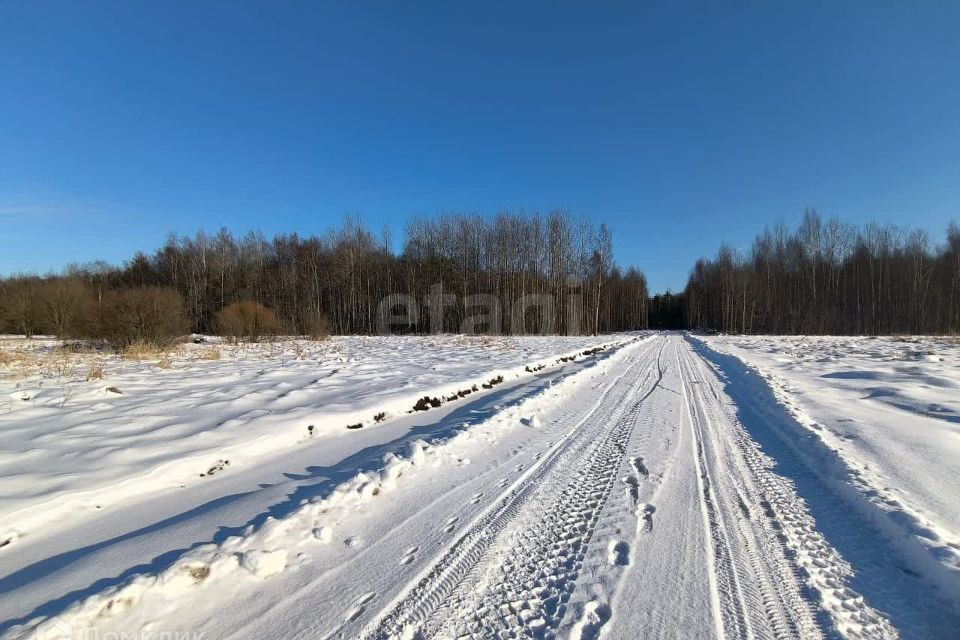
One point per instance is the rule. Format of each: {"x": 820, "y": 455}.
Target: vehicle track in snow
{"x": 751, "y": 599}
{"x": 513, "y": 569}
{"x": 552, "y": 554}
{"x": 642, "y": 506}
{"x": 751, "y": 514}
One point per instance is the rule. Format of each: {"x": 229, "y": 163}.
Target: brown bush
{"x": 246, "y": 320}
{"x": 318, "y": 327}
{"x": 66, "y": 306}
{"x": 20, "y": 306}
{"x": 141, "y": 316}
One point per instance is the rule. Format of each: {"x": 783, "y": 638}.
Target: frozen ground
{"x": 659, "y": 488}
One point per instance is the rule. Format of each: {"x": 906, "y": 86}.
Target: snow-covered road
{"x": 655, "y": 490}
{"x": 652, "y": 515}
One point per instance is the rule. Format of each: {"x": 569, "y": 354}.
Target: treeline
{"x": 537, "y": 273}
{"x": 828, "y": 277}
{"x": 668, "y": 311}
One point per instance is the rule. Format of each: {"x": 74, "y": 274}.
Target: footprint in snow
{"x": 409, "y": 555}
{"x": 646, "y": 512}
{"x": 595, "y": 615}
{"x": 618, "y": 553}
{"x": 359, "y": 606}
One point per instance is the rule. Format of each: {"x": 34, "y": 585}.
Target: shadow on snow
{"x": 881, "y": 570}
{"x": 318, "y": 483}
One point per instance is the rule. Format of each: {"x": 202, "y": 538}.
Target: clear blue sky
{"x": 681, "y": 124}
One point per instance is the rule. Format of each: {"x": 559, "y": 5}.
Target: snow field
{"x": 660, "y": 488}
{"x": 264, "y": 551}
{"x": 73, "y": 447}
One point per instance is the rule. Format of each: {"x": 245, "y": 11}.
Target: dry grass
{"x": 141, "y": 350}
{"x": 200, "y": 573}
{"x": 18, "y": 357}
{"x": 57, "y": 365}
{"x": 319, "y": 329}
{"x": 96, "y": 371}
{"x": 210, "y": 353}
{"x": 18, "y": 374}
{"x": 149, "y": 351}
{"x": 24, "y": 363}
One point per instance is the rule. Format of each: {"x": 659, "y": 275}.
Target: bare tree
{"x": 830, "y": 278}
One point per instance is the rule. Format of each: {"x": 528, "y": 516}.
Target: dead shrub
{"x": 66, "y": 305}
{"x": 318, "y": 327}
{"x": 246, "y": 320}
{"x": 56, "y": 365}
{"x": 20, "y": 309}
{"x": 95, "y": 371}
{"x": 141, "y": 321}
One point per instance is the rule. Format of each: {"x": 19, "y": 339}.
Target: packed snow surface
{"x": 444, "y": 487}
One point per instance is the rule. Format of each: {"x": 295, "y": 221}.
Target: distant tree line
{"x": 550, "y": 273}
{"x": 828, "y": 277}
{"x": 668, "y": 311}
{"x": 544, "y": 273}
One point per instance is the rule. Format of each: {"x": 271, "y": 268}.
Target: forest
{"x": 512, "y": 273}
{"x": 508, "y": 273}
{"x": 829, "y": 277}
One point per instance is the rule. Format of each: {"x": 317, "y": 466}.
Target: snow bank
{"x": 878, "y": 418}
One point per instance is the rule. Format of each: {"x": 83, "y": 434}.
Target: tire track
{"x": 728, "y": 601}
{"x": 513, "y": 568}
{"x": 785, "y": 540}
{"x": 759, "y": 591}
